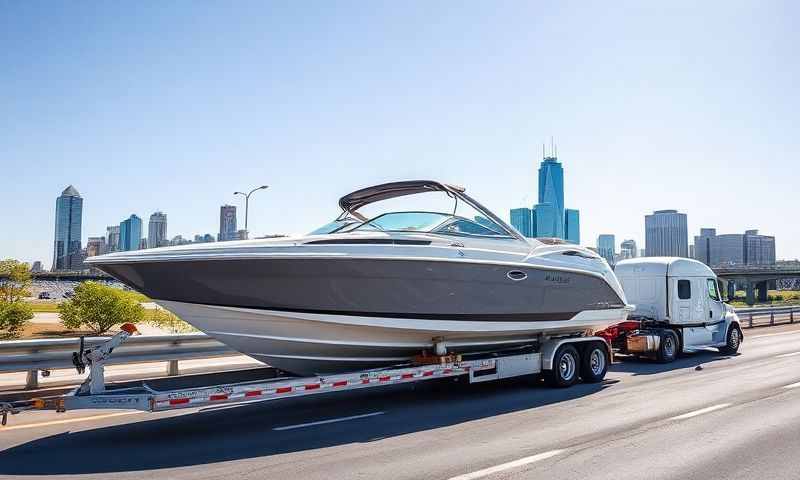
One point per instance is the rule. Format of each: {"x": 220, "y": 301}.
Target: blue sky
{"x": 174, "y": 105}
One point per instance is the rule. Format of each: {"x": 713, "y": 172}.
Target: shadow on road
{"x": 246, "y": 431}
{"x": 645, "y": 366}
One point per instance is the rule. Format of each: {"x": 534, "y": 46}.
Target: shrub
{"x": 99, "y": 307}
{"x": 13, "y": 318}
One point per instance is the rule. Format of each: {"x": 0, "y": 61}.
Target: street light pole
{"x": 247, "y": 203}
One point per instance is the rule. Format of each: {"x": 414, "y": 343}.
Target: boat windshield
{"x": 405, "y": 222}
{"x": 432, "y": 222}
{"x": 336, "y": 226}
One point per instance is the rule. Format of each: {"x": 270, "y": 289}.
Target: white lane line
{"x": 701, "y": 411}
{"x": 751, "y": 337}
{"x": 793, "y": 354}
{"x": 506, "y": 466}
{"x": 792, "y": 385}
{"x": 332, "y": 420}
{"x": 68, "y": 420}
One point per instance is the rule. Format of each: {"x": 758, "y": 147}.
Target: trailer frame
{"x": 537, "y": 357}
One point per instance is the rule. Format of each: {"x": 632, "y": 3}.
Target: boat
{"x": 372, "y": 291}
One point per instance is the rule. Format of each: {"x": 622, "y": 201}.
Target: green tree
{"x": 16, "y": 280}
{"x": 13, "y": 317}
{"x": 99, "y": 308}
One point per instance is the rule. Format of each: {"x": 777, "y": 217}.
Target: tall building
{"x": 627, "y": 249}
{"x": 521, "y": 219}
{"x": 572, "y": 226}
{"x": 666, "y": 234}
{"x": 37, "y": 267}
{"x": 549, "y": 218}
{"x": 130, "y": 233}
{"x": 67, "y": 243}
{"x": 95, "y": 246}
{"x": 758, "y": 249}
{"x": 702, "y": 245}
{"x": 157, "y": 230}
{"x": 545, "y": 216}
{"x": 605, "y": 247}
{"x": 748, "y": 248}
{"x": 227, "y": 223}
{"x": 551, "y": 192}
{"x": 112, "y": 238}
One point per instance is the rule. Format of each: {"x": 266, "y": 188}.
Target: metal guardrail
{"x": 51, "y": 354}
{"x": 768, "y": 316}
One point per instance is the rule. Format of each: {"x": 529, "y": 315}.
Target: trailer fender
{"x": 550, "y": 347}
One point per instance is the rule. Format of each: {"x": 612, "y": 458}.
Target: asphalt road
{"x": 736, "y": 418}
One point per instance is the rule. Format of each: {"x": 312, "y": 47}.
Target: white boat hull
{"x": 312, "y": 343}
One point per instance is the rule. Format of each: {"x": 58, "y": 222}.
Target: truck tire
{"x": 732, "y": 341}
{"x": 566, "y": 363}
{"x": 594, "y": 363}
{"x": 668, "y": 348}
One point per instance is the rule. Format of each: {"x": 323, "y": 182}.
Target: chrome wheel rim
{"x": 734, "y": 339}
{"x": 567, "y": 366}
{"x": 597, "y": 361}
{"x": 669, "y": 346}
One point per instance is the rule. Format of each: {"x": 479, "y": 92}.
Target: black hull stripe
{"x": 468, "y": 317}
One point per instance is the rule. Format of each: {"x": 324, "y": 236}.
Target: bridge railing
{"x": 767, "y": 316}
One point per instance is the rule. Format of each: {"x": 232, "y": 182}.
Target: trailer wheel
{"x": 594, "y": 363}
{"x": 668, "y": 349}
{"x": 733, "y": 341}
{"x": 566, "y": 363}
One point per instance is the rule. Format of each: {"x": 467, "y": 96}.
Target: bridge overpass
{"x": 755, "y": 278}
{"x": 80, "y": 275}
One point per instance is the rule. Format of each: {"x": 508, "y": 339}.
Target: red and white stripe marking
{"x": 267, "y": 391}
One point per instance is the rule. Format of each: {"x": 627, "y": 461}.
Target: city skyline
{"x": 656, "y": 107}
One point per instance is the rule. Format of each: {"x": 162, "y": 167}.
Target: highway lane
{"x": 732, "y": 418}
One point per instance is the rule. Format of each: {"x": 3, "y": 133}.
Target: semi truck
{"x": 678, "y": 307}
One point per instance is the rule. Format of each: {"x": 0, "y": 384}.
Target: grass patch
{"x": 44, "y": 307}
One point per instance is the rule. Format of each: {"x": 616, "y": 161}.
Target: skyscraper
{"x": 521, "y": 219}
{"x": 546, "y": 216}
{"x": 605, "y": 247}
{"x": 130, "y": 233}
{"x": 67, "y": 243}
{"x": 551, "y": 198}
{"x": 112, "y": 238}
{"x": 157, "y": 230}
{"x": 95, "y": 246}
{"x": 666, "y": 234}
{"x": 572, "y": 226}
{"x": 227, "y": 223}
{"x": 549, "y": 218}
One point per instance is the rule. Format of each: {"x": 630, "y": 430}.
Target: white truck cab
{"x": 677, "y": 295}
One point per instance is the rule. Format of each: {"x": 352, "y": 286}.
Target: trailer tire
{"x": 594, "y": 362}
{"x": 732, "y": 341}
{"x": 566, "y": 363}
{"x": 668, "y": 348}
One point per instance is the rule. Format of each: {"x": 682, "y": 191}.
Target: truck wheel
{"x": 566, "y": 363}
{"x": 594, "y": 363}
{"x": 733, "y": 341}
{"x": 668, "y": 350}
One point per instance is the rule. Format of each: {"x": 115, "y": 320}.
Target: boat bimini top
{"x": 351, "y": 202}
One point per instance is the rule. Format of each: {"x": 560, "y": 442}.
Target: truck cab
{"x": 678, "y": 301}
